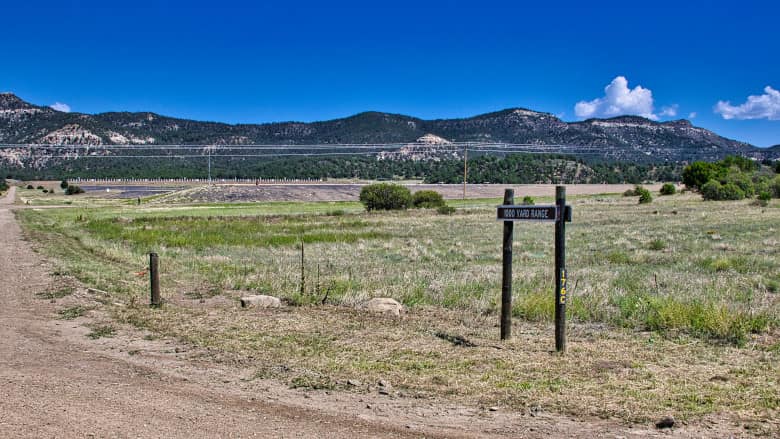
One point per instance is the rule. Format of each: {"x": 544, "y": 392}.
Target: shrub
{"x": 732, "y": 192}
{"x": 630, "y": 193}
{"x": 73, "y": 190}
{"x": 668, "y": 189}
{"x": 528, "y": 200}
{"x": 45, "y": 191}
{"x": 712, "y": 190}
{"x": 40, "y": 188}
{"x": 644, "y": 195}
{"x": 743, "y": 181}
{"x": 64, "y": 184}
{"x": 29, "y": 186}
{"x": 446, "y": 210}
{"x": 385, "y": 196}
{"x": 427, "y": 199}
{"x": 774, "y": 186}
{"x": 3, "y": 185}
{"x": 764, "y": 196}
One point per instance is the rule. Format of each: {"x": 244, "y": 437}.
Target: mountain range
{"x": 621, "y": 138}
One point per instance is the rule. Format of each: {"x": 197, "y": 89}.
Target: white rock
{"x": 260, "y": 301}
{"x": 384, "y": 305}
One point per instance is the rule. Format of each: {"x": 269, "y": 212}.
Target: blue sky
{"x": 274, "y": 61}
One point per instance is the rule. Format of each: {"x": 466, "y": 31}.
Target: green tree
{"x": 697, "y": 174}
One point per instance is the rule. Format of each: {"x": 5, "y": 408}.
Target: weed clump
{"x": 528, "y": 200}
{"x": 657, "y": 244}
{"x": 72, "y": 312}
{"x": 102, "y": 331}
{"x": 385, "y": 196}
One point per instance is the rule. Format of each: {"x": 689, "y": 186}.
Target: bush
{"x": 385, "y": 196}
{"x": 427, "y": 199}
{"x": 763, "y": 198}
{"x": 743, "y": 181}
{"x": 45, "y": 191}
{"x": 712, "y": 190}
{"x": 630, "y": 193}
{"x": 64, "y": 184}
{"x": 733, "y": 192}
{"x": 644, "y": 195}
{"x": 668, "y": 189}
{"x": 73, "y": 190}
{"x": 3, "y": 185}
{"x": 528, "y": 200}
{"x": 774, "y": 187}
{"x": 446, "y": 210}
{"x": 29, "y": 186}
{"x": 40, "y": 188}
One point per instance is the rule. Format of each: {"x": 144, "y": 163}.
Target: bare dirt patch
{"x": 350, "y": 192}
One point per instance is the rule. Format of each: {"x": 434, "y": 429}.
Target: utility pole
{"x": 465, "y": 168}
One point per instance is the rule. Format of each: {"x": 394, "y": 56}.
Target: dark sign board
{"x": 527, "y": 213}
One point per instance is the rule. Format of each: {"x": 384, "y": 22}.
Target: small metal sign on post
{"x": 559, "y": 213}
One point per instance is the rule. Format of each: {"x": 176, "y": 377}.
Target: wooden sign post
{"x": 559, "y": 213}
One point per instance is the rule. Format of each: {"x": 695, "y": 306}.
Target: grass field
{"x": 674, "y": 306}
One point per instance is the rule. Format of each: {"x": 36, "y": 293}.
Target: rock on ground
{"x": 260, "y": 301}
{"x": 384, "y": 305}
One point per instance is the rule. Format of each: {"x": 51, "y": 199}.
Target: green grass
{"x": 682, "y": 279}
{"x": 667, "y": 295}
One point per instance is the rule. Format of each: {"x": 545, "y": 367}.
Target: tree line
{"x": 509, "y": 169}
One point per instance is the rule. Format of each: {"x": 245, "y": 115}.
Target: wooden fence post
{"x": 154, "y": 276}
{"x": 560, "y": 269}
{"x": 506, "y": 279}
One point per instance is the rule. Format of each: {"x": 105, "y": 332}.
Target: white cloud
{"x": 618, "y": 100}
{"x": 692, "y": 115}
{"x": 765, "y": 106}
{"x": 669, "y": 111}
{"x": 59, "y": 106}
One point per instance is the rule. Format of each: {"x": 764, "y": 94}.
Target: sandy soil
{"x": 56, "y": 382}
